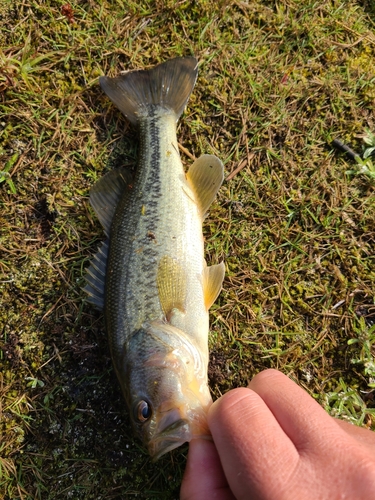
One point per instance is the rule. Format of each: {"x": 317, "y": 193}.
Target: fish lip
{"x": 173, "y": 436}
{"x": 170, "y": 438}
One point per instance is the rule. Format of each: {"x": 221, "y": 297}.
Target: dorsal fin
{"x": 167, "y": 85}
{"x": 95, "y": 276}
{"x": 205, "y": 177}
{"x": 106, "y": 193}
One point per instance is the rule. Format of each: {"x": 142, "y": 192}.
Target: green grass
{"x": 278, "y": 82}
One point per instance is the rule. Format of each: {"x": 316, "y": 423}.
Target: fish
{"x": 150, "y": 276}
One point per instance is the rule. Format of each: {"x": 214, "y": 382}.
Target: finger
{"x": 299, "y": 415}
{"x": 204, "y": 477}
{"x": 363, "y": 436}
{"x": 251, "y": 445}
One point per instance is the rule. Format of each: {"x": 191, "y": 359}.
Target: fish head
{"x": 166, "y": 389}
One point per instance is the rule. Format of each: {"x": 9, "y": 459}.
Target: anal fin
{"x": 205, "y": 177}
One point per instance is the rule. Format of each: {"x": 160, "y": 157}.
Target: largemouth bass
{"x": 150, "y": 276}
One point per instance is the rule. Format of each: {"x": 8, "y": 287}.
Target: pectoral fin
{"x": 205, "y": 177}
{"x": 213, "y": 277}
{"x": 171, "y": 283}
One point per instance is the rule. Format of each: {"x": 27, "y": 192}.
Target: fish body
{"x": 150, "y": 275}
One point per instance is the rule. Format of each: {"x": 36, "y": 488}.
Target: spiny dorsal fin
{"x": 167, "y": 85}
{"x": 95, "y": 276}
{"x": 213, "y": 277}
{"x": 171, "y": 283}
{"x": 106, "y": 193}
{"x": 205, "y": 177}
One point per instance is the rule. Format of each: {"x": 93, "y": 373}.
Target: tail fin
{"x": 168, "y": 85}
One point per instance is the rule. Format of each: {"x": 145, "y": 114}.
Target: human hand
{"x": 273, "y": 441}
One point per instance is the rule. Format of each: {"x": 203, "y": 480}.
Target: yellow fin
{"x": 212, "y": 282}
{"x": 171, "y": 283}
{"x": 205, "y": 177}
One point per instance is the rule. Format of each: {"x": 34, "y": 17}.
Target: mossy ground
{"x": 295, "y": 225}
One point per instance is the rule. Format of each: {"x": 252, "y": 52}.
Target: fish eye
{"x": 143, "y": 411}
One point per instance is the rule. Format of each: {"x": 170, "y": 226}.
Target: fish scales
{"x": 157, "y": 287}
{"x": 150, "y": 208}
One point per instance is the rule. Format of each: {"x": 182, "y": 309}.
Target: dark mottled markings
{"x": 148, "y": 191}
{"x": 153, "y": 187}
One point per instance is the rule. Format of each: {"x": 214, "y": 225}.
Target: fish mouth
{"x": 175, "y": 431}
{"x": 170, "y": 438}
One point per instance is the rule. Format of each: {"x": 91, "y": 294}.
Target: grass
{"x": 294, "y": 222}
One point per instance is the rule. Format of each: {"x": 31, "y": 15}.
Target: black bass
{"x": 150, "y": 276}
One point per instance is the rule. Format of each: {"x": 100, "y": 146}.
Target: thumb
{"x": 204, "y": 477}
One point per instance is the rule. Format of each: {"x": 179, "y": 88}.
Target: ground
{"x": 294, "y": 221}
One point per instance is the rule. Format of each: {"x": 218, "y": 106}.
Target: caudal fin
{"x": 167, "y": 85}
